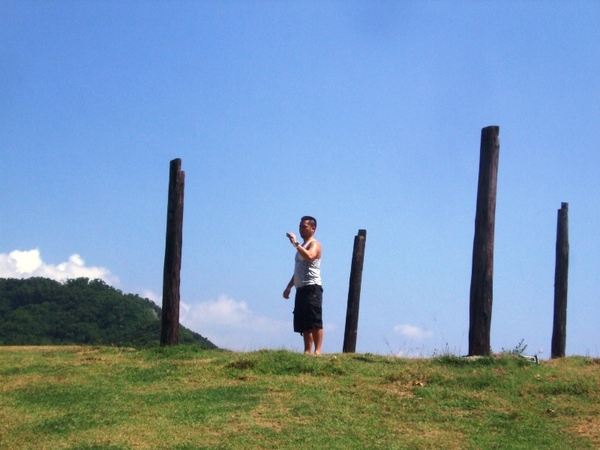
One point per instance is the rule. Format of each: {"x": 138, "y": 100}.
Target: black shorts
{"x": 308, "y": 308}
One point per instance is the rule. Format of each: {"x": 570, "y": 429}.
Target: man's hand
{"x": 286, "y": 293}
{"x": 292, "y": 238}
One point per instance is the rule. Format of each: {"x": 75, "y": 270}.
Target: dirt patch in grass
{"x": 590, "y": 429}
{"x": 37, "y": 348}
{"x": 24, "y": 381}
{"x": 274, "y": 411}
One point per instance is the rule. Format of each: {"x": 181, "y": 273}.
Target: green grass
{"x": 186, "y": 398}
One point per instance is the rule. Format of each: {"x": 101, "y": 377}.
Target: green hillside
{"x": 40, "y": 311}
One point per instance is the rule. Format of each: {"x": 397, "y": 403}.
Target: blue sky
{"x": 366, "y": 115}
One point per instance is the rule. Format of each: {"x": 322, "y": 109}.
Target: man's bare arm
{"x": 312, "y": 252}
{"x": 288, "y": 288}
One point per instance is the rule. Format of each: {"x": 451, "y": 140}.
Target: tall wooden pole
{"x": 480, "y": 311}
{"x": 561, "y": 276}
{"x": 171, "y": 276}
{"x": 358, "y": 256}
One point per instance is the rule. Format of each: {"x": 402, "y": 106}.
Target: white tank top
{"x": 306, "y": 272}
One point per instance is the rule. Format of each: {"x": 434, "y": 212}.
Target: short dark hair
{"x": 311, "y": 220}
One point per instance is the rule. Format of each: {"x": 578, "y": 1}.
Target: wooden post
{"x": 171, "y": 276}
{"x": 561, "y": 276}
{"x": 481, "y": 295}
{"x": 358, "y": 256}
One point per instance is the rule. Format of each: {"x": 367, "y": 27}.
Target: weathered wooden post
{"x": 171, "y": 276}
{"x": 561, "y": 276}
{"x": 480, "y": 311}
{"x": 358, "y": 256}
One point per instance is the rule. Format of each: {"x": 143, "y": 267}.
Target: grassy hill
{"x": 184, "y": 397}
{"x": 40, "y": 311}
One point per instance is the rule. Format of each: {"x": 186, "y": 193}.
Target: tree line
{"x": 41, "y": 311}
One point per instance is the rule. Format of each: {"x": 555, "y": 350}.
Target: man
{"x": 308, "y": 320}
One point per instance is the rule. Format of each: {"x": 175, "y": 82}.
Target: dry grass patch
{"x": 590, "y": 429}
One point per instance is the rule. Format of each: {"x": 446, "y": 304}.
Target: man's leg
{"x": 308, "y": 341}
{"x": 317, "y": 337}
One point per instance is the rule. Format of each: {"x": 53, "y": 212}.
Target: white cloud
{"x": 147, "y": 293}
{"x": 412, "y": 332}
{"x": 233, "y": 325}
{"x": 29, "y": 263}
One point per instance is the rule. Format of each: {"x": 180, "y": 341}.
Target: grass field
{"x": 185, "y": 398}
